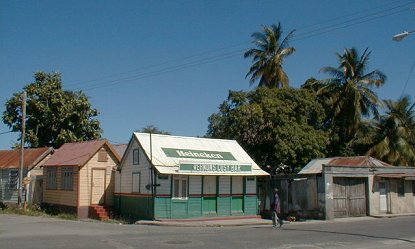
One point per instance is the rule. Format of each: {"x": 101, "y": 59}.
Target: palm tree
{"x": 268, "y": 57}
{"x": 393, "y": 139}
{"x": 350, "y": 91}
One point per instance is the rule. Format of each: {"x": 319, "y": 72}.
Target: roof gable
{"x": 315, "y": 166}
{"x": 32, "y": 156}
{"x": 167, "y": 152}
{"x": 78, "y": 153}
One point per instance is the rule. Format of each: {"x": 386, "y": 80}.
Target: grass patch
{"x": 35, "y": 210}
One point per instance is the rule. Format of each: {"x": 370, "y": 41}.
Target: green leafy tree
{"x": 54, "y": 116}
{"x": 392, "y": 138}
{"x": 351, "y": 97}
{"x": 268, "y": 57}
{"x": 154, "y": 130}
{"x": 275, "y": 126}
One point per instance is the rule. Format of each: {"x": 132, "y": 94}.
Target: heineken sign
{"x": 214, "y": 168}
{"x": 198, "y": 154}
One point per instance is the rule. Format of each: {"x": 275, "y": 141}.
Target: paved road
{"x": 38, "y": 232}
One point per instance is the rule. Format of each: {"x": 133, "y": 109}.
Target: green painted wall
{"x": 237, "y": 204}
{"x": 194, "y": 207}
{"x": 251, "y": 205}
{"x": 132, "y": 207}
{"x": 224, "y": 206}
{"x": 209, "y": 206}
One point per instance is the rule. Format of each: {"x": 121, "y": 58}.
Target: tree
{"x": 275, "y": 126}
{"x": 392, "y": 138}
{"x": 54, "y": 116}
{"x": 268, "y": 57}
{"x": 154, "y": 130}
{"x": 350, "y": 96}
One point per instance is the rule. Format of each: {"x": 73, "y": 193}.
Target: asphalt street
{"x": 367, "y": 232}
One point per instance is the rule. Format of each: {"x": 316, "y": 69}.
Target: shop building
{"x": 172, "y": 177}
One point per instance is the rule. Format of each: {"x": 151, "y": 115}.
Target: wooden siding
{"x": 165, "y": 186}
{"x": 195, "y": 185}
{"x": 57, "y": 196}
{"x": 224, "y": 185}
{"x": 84, "y": 176}
{"x": 209, "y": 185}
{"x": 128, "y": 168}
{"x": 237, "y": 185}
{"x": 250, "y": 186}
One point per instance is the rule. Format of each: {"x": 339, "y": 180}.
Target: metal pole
{"x": 20, "y": 198}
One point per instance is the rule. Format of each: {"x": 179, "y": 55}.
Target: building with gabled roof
{"x": 174, "y": 177}
{"x": 79, "y": 177}
{"x": 10, "y": 169}
{"x": 360, "y": 186}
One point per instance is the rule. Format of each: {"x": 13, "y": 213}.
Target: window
{"x": 136, "y": 182}
{"x": 102, "y": 156}
{"x": 13, "y": 179}
{"x": 136, "y": 158}
{"x": 67, "y": 178}
{"x": 51, "y": 181}
{"x": 401, "y": 188}
{"x": 180, "y": 187}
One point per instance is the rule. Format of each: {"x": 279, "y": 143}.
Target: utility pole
{"x": 20, "y": 198}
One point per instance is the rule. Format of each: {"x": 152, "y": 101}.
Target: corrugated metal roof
{"x": 315, "y": 166}
{"x": 78, "y": 154}
{"x": 169, "y": 165}
{"x": 358, "y": 161}
{"x": 406, "y": 176}
{"x": 11, "y": 158}
{"x": 120, "y": 149}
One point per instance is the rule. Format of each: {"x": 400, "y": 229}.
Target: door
{"x": 383, "y": 197}
{"x": 98, "y": 186}
{"x": 349, "y": 196}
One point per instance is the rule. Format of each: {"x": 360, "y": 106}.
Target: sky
{"x": 172, "y": 63}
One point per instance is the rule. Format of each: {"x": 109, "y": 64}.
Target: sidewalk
{"x": 209, "y": 222}
{"x": 249, "y": 221}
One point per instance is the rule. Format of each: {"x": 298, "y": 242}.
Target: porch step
{"x": 99, "y": 212}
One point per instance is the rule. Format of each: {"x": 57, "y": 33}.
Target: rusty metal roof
{"x": 358, "y": 161}
{"x": 315, "y": 166}
{"x": 406, "y": 176}
{"x": 120, "y": 149}
{"x": 78, "y": 153}
{"x": 10, "y": 159}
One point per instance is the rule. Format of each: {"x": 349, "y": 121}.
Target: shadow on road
{"x": 346, "y": 233}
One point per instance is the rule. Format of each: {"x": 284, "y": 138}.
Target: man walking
{"x": 276, "y": 209}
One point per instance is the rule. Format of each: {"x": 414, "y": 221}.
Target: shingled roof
{"x": 79, "y": 153}
{"x": 10, "y": 159}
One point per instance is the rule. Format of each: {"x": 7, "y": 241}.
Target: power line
{"x": 407, "y": 80}
{"x": 195, "y": 60}
{"x": 325, "y": 29}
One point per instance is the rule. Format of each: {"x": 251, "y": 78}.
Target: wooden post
{"x": 20, "y": 198}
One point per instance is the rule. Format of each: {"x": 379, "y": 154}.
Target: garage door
{"x": 349, "y": 196}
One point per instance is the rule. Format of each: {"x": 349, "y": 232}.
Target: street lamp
{"x": 400, "y": 36}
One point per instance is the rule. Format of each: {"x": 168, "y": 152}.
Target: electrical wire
{"x": 350, "y": 21}
{"x": 407, "y": 80}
